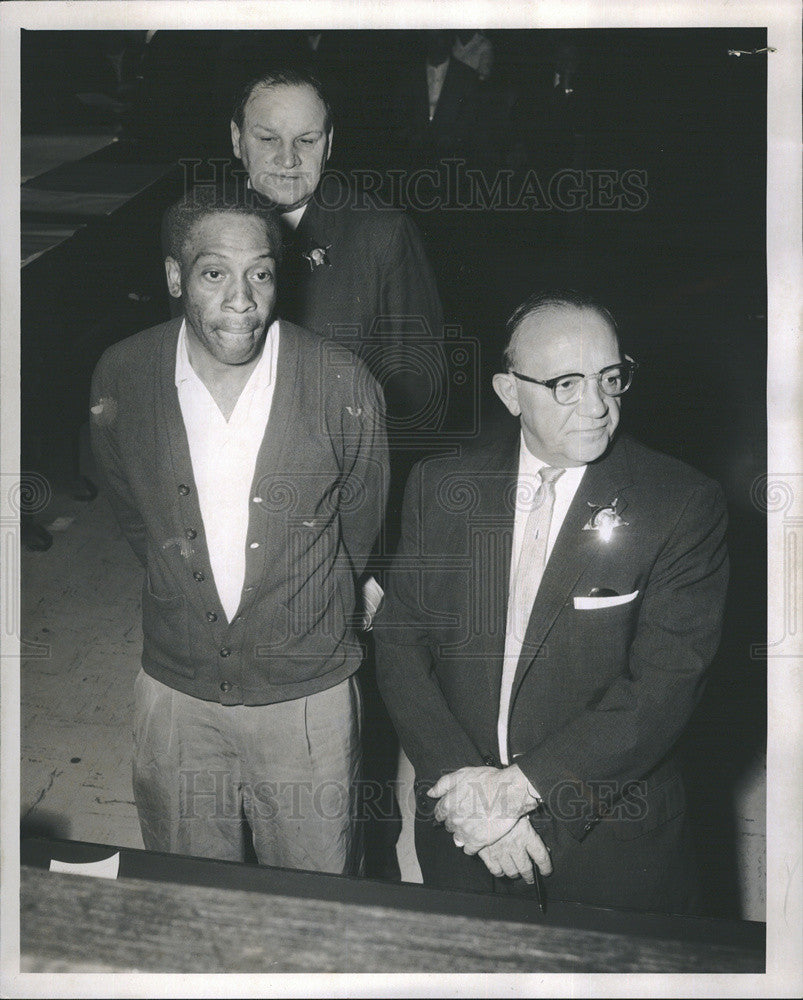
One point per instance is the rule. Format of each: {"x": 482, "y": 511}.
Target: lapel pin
{"x": 317, "y": 257}
{"x": 604, "y": 518}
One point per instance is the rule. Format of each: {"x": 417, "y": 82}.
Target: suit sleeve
{"x": 105, "y": 449}
{"x": 635, "y": 722}
{"x": 432, "y": 737}
{"x": 411, "y": 322}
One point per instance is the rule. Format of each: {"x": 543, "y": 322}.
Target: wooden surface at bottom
{"x": 81, "y": 924}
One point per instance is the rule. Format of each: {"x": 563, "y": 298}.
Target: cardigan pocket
{"x": 166, "y": 633}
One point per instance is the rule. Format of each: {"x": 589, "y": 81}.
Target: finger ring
{"x": 458, "y": 843}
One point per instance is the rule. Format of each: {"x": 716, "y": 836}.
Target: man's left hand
{"x": 481, "y": 804}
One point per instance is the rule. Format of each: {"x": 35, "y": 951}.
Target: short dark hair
{"x": 183, "y": 215}
{"x": 282, "y": 76}
{"x": 542, "y": 300}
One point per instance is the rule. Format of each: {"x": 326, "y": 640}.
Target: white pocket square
{"x": 589, "y": 603}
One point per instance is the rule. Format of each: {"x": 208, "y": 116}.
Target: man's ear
{"x": 507, "y": 390}
{"x": 329, "y": 141}
{"x": 235, "y": 140}
{"x": 173, "y": 272}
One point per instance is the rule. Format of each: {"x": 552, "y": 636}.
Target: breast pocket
{"x": 601, "y": 603}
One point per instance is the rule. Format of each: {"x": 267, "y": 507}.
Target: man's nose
{"x": 239, "y": 296}
{"x": 593, "y": 402}
{"x": 287, "y": 155}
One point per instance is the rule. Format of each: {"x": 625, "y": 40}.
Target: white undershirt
{"x": 224, "y": 454}
{"x": 293, "y": 217}
{"x": 528, "y": 481}
{"x": 435, "y": 77}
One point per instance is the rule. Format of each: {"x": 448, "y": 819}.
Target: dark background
{"x": 685, "y": 274}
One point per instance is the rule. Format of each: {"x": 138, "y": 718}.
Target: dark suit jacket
{"x": 457, "y": 129}
{"x": 321, "y": 483}
{"x": 600, "y": 696}
{"x": 376, "y": 294}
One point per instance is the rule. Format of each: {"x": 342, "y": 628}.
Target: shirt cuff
{"x": 532, "y": 791}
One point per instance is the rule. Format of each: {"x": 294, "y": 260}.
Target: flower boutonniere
{"x": 604, "y": 518}
{"x": 317, "y": 257}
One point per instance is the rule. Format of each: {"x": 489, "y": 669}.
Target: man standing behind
{"x": 557, "y": 600}
{"x": 353, "y": 271}
{"x": 246, "y": 461}
{"x": 356, "y": 273}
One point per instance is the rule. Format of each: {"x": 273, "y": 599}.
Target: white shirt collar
{"x": 530, "y": 465}
{"x": 292, "y": 218}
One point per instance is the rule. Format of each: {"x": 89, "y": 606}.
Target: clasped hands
{"x": 485, "y": 808}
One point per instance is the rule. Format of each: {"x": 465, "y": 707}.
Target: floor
{"x": 82, "y": 644}
{"x": 80, "y": 603}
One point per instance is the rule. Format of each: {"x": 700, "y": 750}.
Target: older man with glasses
{"x": 555, "y": 603}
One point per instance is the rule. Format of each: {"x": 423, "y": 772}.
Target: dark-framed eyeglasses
{"x": 612, "y": 380}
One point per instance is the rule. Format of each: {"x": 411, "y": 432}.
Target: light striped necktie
{"x": 532, "y": 559}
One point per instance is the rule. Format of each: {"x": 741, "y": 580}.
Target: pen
{"x": 539, "y": 889}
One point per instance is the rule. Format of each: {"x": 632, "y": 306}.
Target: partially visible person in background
{"x": 438, "y": 111}
{"x": 351, "y": 271}
{"x": 475, "y": 50}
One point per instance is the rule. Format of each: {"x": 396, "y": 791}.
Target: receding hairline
{"x": 260, "y": 85}
{"x": 584, "y": 307}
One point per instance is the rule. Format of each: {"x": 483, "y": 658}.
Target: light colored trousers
{"x": 291, "y": 769}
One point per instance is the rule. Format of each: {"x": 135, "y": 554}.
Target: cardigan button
{"x": 198, "y": 575}
{"x": 211, "y": 616}
{"x": 488, "y": 760}
{"x": 225, "y": 651}
{"x": 184, "y": 490}
{"x": 225, "y": 686}
{"x": 191, "y": 533}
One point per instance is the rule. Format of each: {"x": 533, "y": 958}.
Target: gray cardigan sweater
{"x": 318, "y": 499}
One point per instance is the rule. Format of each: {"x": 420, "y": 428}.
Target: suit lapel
{"x": 494, "y": 530}
{"x": 602, "y": 483}
{"x": 419, "y": 96}
{"x": 315, "y": 226}
{"x": 450, "y": 100}
{"x": 297, "y": 273}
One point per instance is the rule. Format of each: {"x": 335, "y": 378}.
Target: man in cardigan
{"x": 246, "y": 461}
{"x": 557, "y": 600}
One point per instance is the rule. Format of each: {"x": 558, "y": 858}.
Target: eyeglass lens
{"x": 612, "y": 382}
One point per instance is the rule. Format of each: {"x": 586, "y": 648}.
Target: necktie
{"x": 524, "y": 587}
{"x": 532, "y": 560}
